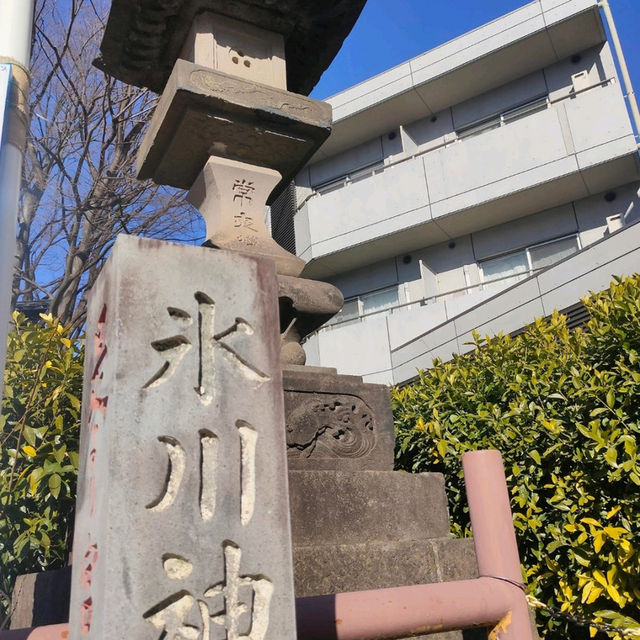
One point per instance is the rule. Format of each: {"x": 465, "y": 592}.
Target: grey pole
{"x": 624, "y": 70}
{"x": 15, "y": 49}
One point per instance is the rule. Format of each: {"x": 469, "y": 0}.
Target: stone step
{"x": 325, "y": 569}
{"x": 41, "y": 598}
{"x": 340, "y": 507}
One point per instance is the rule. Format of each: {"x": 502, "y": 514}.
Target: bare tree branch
{"x": 79, "y": 188}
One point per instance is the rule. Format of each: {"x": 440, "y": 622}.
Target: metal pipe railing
{"x": 495, "y": 599}
{"x": 428, "y": 300}
{"x": 404, "y": 611}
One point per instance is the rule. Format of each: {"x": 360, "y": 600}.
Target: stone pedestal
{"x": 336, "y": 422}
{"x": 182, "y": 524}
{"x": 356, "y": 523}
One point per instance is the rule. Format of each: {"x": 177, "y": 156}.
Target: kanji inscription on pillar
{"x": 182, "y": 525}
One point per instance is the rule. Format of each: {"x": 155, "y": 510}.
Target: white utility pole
{"x": 16, "y": 21}
{"x": 624, "y": 70}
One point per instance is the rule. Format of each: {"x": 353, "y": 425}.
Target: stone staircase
{"x": 356, "y": 523}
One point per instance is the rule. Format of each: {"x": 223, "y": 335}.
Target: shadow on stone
{"x": 41, "y": 599}
{"x": 317, "y": 617}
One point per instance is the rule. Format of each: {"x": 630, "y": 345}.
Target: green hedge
{"x": 39, "y": 428}
{"x": 563, "y": 408}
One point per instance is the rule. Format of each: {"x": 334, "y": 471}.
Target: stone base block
{"x": 342, "y": 507}
{"x": 326, "y": 569}
{"x": 41, "y": 598}
{"x": 321, "y": 570}
{"x": 336, "y": 422}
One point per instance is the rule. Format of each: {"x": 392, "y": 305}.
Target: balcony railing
{"x": 529, "y": 108}
{"x": 421, "y": 302}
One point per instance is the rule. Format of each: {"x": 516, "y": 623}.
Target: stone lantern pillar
{"x": 226, "y": 128}
{"x": 233, "y": 126}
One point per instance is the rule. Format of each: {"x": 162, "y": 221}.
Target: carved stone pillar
{"x": 227, "y": 129}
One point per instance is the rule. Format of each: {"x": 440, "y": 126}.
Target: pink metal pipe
{"x": 50, "y": 632}
{"x": 493, "y": 533}
{"x": 403, "y": 611}
{"x": 490, "y": 513}
{"x": 495, "y": 599}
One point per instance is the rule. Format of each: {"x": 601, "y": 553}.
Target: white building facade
{"x": 453, "y": 182}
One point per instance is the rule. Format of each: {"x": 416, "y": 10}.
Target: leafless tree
{"x": 79, "y": 187}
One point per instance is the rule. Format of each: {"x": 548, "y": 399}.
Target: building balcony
{"x": 531, "y": 37}
{"x": 501, "y": 169}
{"x": 389, "y": 345}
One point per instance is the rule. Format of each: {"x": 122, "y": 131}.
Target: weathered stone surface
{"x": 325, "y": 569}
{"x": 41, "y": 598}
{"x": 231, "y": 197}
{"x": 457, "y": 559}
{"x": 343, "y": 507}
{"x": 143, "y": 39}
{"x": 309, "y": 369}
{"x": 336, "y": 422}
{"x": 336, "y": 568}
{"x": 203, "y": 112}
{"x": 313, "y": 302}
{"x": 182, "y": 507}
{"x": 305, "y": 305}
{"x": 237, "y": 48}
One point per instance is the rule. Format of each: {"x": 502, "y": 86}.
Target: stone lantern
{"x": 232, "y": 125}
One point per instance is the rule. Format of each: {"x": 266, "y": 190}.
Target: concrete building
{"x": 451, "y": 178}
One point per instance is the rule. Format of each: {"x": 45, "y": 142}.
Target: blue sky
{"x": 392, "y": 31}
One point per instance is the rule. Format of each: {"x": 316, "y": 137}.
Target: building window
{"x": 501, "y": 119}
{"x": 367, "y": 303}
{"x": 507, "y": 269}
{"x": 350, "y": 311}
{"x": 353, "y": 176}
{"x": 379, "y": 300}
